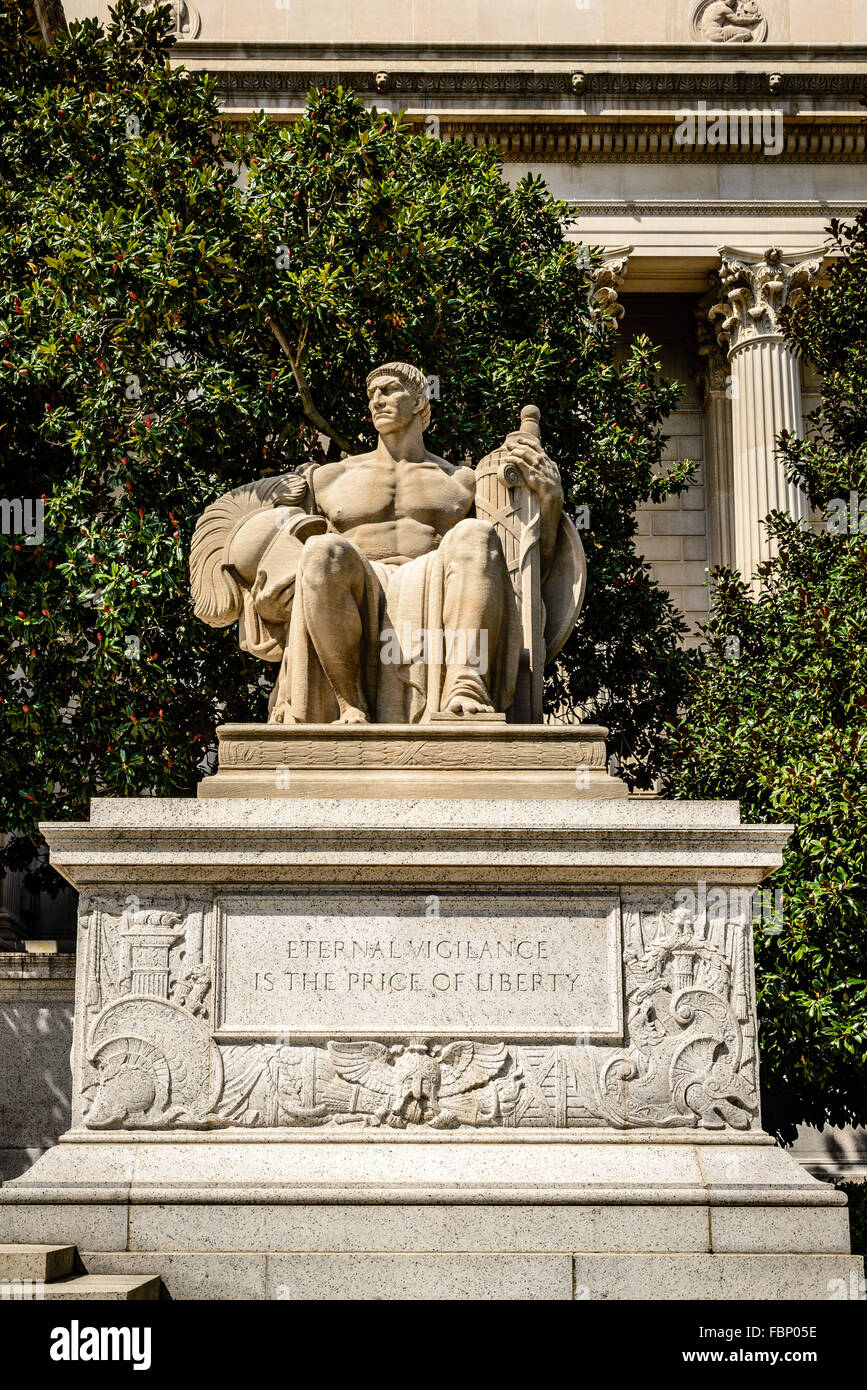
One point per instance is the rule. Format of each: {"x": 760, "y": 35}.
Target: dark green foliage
{"x": 140, "y": 379}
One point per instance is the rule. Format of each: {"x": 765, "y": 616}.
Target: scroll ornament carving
{"x": 712, "y": 351}
{"x": 608, "y": 281}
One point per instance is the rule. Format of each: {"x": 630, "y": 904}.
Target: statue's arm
{"x": 542, "y": 477}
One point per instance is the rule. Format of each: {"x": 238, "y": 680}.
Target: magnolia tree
{"x": 183, "y": 308}
{"x": 776, "y": 716}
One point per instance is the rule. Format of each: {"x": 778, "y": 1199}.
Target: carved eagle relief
{"x": 423, "y": 1084}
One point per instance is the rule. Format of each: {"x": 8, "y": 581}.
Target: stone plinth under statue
{"x": 467, "y": 757}
{"x": 424, "y": 1048}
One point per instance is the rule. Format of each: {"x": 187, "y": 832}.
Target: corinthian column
{"x": 765, "y": 387}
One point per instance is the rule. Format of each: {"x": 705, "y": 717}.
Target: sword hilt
{"x": 507, "y": 472}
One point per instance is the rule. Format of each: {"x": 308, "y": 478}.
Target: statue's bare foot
{"x": 461, "y": 704}
{"x": 352, "y": 715}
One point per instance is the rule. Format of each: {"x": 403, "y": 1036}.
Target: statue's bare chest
{"x": 372, "y": 490}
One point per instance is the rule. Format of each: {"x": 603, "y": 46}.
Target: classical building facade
{"x": 705, "y": 146}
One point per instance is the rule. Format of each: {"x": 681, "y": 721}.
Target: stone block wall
{"x": 37, "y": 995}
{"x": 672, "y": 535}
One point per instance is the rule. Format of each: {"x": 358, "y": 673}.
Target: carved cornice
{"x": 590, "y": 141}
{"x": 755, "y": 286}
{"x": 296, "y": 81}
{"x": 594, "y": 141}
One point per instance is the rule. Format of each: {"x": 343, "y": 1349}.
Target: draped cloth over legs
{"x": 436, "y": 628}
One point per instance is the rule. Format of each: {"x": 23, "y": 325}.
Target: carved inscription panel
{"x": 349, "y": 966}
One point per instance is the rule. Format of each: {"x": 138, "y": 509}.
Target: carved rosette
{"x": 755, "y": 286}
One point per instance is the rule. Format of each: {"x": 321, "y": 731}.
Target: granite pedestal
{"x": 431, "y": 1047}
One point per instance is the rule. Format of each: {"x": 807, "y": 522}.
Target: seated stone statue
{"x": 394, "y": 586}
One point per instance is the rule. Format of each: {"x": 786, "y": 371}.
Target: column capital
{"x": 754, "y": 287}
{"x": 608, "y": 277}
{"x": 712, "y": 346}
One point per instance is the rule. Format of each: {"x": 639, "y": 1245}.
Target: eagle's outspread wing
{"x": 363, "y": 1064}
{"x": 466, "y": 1065}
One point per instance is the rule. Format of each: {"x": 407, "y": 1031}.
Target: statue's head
{"x": 397, "y": 392}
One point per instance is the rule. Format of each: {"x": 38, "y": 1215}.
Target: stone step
{"x": 37, "y": 1263}
{"x": 107, "y": 1287}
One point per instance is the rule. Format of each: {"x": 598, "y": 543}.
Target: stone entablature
{"x": 738, "y": 29}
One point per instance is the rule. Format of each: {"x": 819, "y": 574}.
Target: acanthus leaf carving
{"x": 756, "y": 286}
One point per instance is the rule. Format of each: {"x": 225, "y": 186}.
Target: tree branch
{"x": 310, "y": 410}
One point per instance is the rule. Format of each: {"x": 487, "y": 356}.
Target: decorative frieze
{"x": 587, "y": 140}
{"x": 678, "y": 1050}
{"x": 531, "y": 82}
